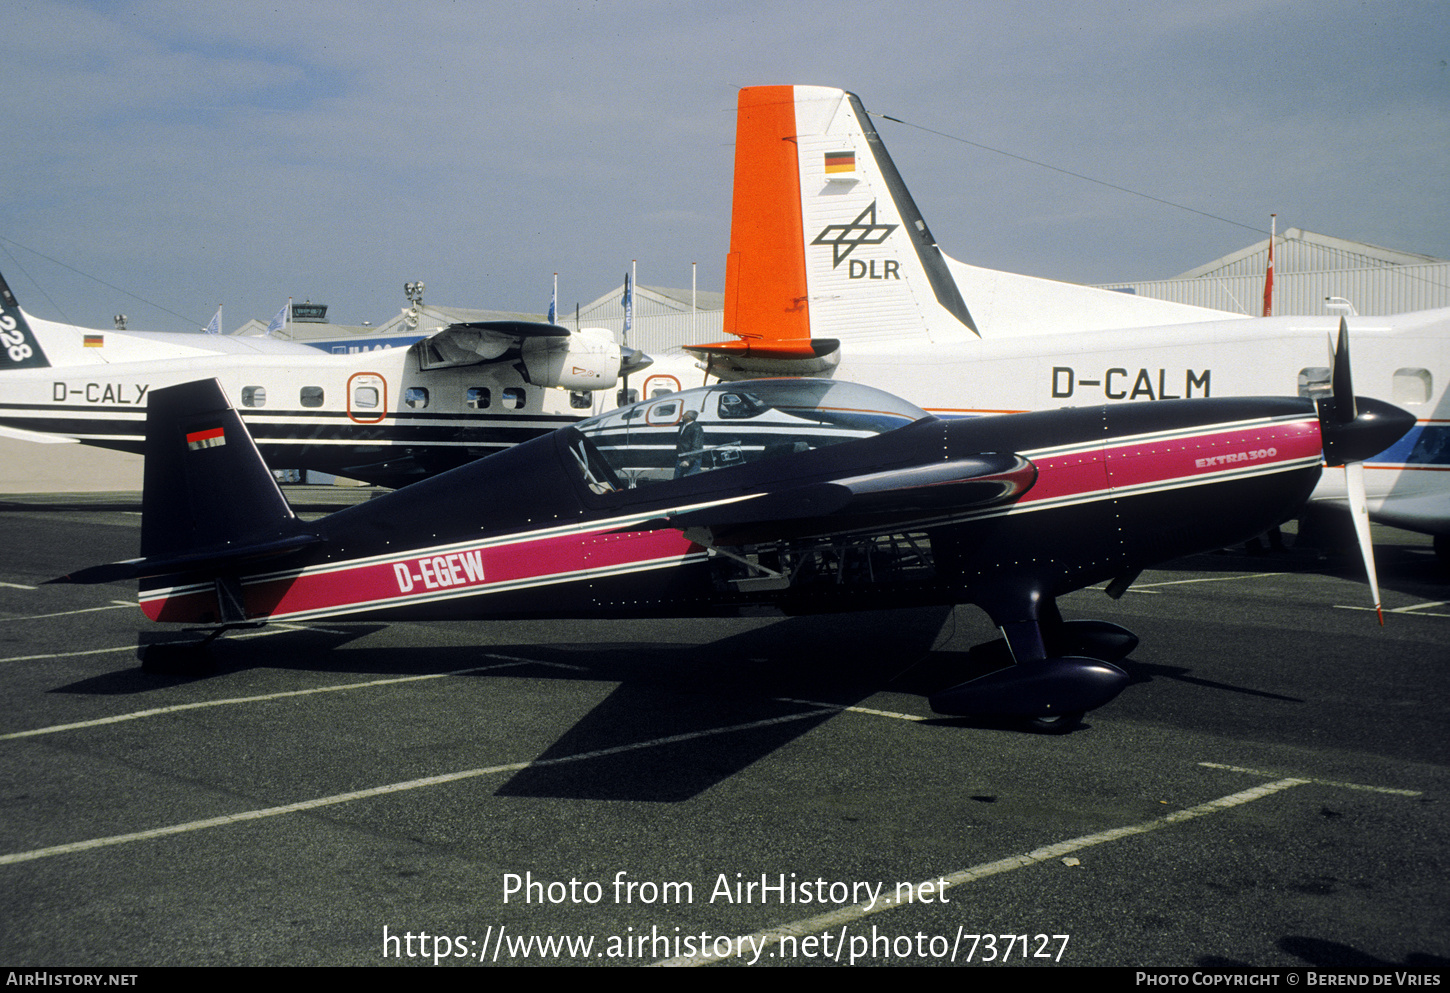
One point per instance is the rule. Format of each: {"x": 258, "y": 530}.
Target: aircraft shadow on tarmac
{"x": 776, "y": 682}
{"x": 795, "y": 670}
{"x": 690, "y": 690}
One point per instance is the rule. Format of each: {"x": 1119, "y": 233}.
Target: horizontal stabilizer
{"x": 753, "y": 357}
{"x": 773, "y": 348}
{"x": 201, "y": 560}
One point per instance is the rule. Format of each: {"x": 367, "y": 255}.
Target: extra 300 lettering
{"x": 1254, "y": 456}
{"x": 440, "y": 571}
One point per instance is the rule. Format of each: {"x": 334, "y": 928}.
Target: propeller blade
{"x": 1344, "y": 406}
{"x": 1359, "y": 510}
{"x": 1345, "y": 414}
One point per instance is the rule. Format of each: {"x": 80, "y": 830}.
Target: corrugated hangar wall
{"x": 1309, "y": 269}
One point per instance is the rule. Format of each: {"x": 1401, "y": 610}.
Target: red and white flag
{"x": 1269, "y": 272}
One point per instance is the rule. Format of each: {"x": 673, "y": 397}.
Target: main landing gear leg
{"x": 1048, "y": 680}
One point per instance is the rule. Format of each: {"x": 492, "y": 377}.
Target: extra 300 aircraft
{"x": 801, "y": 495}
{"x": 833, "y": 272}
{"x": 391, "y": 416}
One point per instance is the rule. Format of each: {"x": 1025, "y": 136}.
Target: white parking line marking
{"x": 67, "y": 655}
{"x": 854, "y": 710}
{"x": 1318, "y": 782}
{"x": 507, "y": 661}
{"x": 115, "y": 605}
{"x": 271, "y": 630}
{"x": 413, "y": 784}
{"x": 229, "y": 701}
{"x": 849, "y": 915}
{"x": 1414, "y": 609}
{"x": 1206, "y": 579}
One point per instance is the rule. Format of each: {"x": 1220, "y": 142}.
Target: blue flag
{"x": 553, "y": 304}
{"x": 280, "y": 321}
{"x": 628, "y": 304}
{"x": 215, "y": 327}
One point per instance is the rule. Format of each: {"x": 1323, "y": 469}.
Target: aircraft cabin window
{"x": 664, "y": 413}
{"x": 311, "y": 396}
{"x": 1314, "y": 382}
{"x": 415, "y": 397}
{"x": 1412, "y": 386}
{"x": 513, "y": 397}
{"x": 477, "y": 398}
{"x": 736, "y": 406}
{"x": 364, "y": 397}
{"x": 580, "y": 400}
{"x": 254, "y": 396}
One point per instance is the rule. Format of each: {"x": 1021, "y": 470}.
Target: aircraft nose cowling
{"x": 1376, "y": 426}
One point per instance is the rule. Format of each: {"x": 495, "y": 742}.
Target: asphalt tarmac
{"x": 1269, "y": 791}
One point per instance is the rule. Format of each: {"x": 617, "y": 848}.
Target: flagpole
{"x": 1269, "y": 271}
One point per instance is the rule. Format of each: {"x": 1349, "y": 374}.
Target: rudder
{"x": 19, "y": 348}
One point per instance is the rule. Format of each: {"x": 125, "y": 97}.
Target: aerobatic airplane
{"x": 388, "y": 416}
{"x": 833, "y": 272}
{"x": 794, "y": 495}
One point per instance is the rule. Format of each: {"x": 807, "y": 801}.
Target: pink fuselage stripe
{"x": 1080, "y": 473}
{"x": 555, "y": 558}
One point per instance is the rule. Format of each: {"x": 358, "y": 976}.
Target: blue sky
{"x": 239, "y": 153}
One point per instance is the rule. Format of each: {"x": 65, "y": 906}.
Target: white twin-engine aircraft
{"x": 390, "y": 416}
{"x": 833, "y": 272}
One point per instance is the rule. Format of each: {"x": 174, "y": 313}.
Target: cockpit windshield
{"x": 731, "y": 424}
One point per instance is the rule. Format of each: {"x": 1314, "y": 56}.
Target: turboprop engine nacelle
{"x": 588, "y": 359}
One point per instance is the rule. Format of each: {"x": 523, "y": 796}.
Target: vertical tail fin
{"x": 825, "y": 240}
{"x": 18, "y": 347}
{"x": 207, "y": 489}
{"x": 210, "y": 504}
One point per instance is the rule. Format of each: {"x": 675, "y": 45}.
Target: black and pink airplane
{"x": 798, "y": 496}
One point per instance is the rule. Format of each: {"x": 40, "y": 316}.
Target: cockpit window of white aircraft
{"x": 723, "y": 426}
{"x": 1314, "y": 382}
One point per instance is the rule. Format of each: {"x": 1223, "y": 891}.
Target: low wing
{"x": 878, "y": 502}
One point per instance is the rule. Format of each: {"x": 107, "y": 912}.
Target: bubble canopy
{"x": 727, "y": 425}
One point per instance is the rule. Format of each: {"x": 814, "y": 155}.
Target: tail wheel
{"x": 1056, "y": 723}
